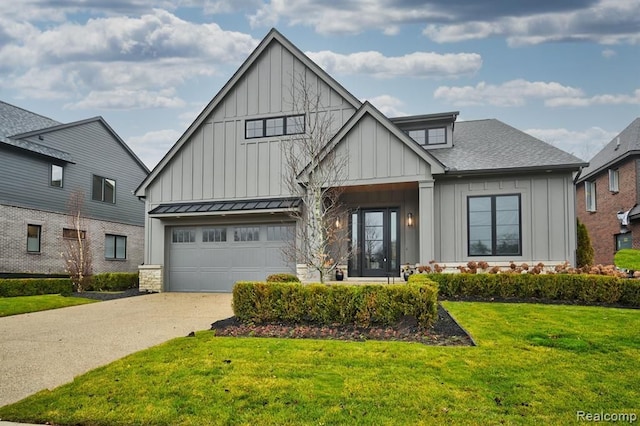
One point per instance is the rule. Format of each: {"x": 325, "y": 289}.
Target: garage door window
{"x": 279, "y": 233}
{"x": 183, "y": 236}
{"x": 214, "y": 235}
{"x": 246, "y": 233}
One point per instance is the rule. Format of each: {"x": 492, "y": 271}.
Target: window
{"x": 104, "y": 189}
{"x": 613, "y": 180}
{"x": 274, "y": 126}
{"x": 214, "y": 235}
{"x": 246, "y": 233}
{"x": 624, "y": 241}
{"x": 183, "y": 236}
{"x": 115, "y": 247}
{"x": 72, "y": 234}
{"x": 494, "y": 225}
{"x": 33, "y": 238}
{"x": 56, "y": 176}
{"x": 280, "y": 233}
{"x": 434, "y": 136}
{"x": 590, "y": 194}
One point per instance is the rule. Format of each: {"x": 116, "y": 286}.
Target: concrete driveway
{"x": 47, "y": 349}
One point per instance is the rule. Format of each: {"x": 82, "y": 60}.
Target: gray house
{"x": 43, "y": 165}
{"x": 418, "y": 188}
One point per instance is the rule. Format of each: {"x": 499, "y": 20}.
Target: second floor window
{"x": 590, "y": 196}
{"x": 274, "y": 126}
{"x": 56, "y": 176}
{"x": 613, "y": 180}
{"x": 433, "y": 136}
{"x": 103, "y": 189}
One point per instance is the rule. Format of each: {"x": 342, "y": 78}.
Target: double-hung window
{"x": 614, "y": 177}
{"x": 590, "y": 196}
{"x": 494, "y": 225}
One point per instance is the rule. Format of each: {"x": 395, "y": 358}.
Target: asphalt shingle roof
{"x": 629, "y": 142}
{"x": 15, "y": 121}
{"x": 491, "y": 145}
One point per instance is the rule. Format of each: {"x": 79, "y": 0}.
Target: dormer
{"x": 431, "y": 131}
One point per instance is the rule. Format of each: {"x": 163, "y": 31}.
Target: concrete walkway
{"x": 47, "y": 349}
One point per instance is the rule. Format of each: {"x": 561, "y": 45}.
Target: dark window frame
{"x": 115, "y": 247}
{"x": 71, "y": 234}
{"x": 425, "y": 132}
{"x": 494, "y": 239}
{"x": 102, "y": 194}
{"x": 616, "y": 245}
{"x": 284, "y": 130}
{"x": 51, "y": 181}
{"x": 39, "y": 237}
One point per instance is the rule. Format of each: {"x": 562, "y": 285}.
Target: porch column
{"x": 425, "y": 222}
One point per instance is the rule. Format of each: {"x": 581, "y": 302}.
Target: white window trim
{"x": 590, "y": 196}
{"x": 614, "y": 180}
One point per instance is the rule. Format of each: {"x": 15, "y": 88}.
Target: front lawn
{"x": 25, "y": 304}
{"x": 533, "y": 364}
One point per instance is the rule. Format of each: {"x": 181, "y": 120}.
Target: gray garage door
{"x": 213, "y": 258}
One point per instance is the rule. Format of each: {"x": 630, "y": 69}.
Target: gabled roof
{"x": 41, "y": 132}
{"x": 486, "y": 146}
{"x": 271, "y": 37}
{"x": 16, "y": 120}
{"x": 626, "y": 144}
{"x": 368, "y": 108}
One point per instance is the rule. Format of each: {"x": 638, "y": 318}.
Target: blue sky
{"x": 566, "y": 71}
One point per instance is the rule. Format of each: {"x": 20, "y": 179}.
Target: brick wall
{"x": 13, "y": 242}
{"x": 603, "y": 224}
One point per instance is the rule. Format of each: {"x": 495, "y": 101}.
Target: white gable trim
{"x": 273, "y": 35}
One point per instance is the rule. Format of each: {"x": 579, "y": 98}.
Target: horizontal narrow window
{"x": 432, "y": 136}
{"x": 280, "y": 233}
{"x": 68, "y": 234}
{"x": 214, "y": 235}
{"x": 274, "y": 126}
{"x": 246, "y": 233}
{"x": 183, "y": 236}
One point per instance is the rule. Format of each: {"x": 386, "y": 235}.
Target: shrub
{"x": 584, "y": 250}
{"x": 283, "y": 278}
{"x": 627, "y": 259}
{"x": 113, "y": 281}
{"x": 362, "y": 305}
{"x": 581, "y": 288}
{"x": 12, "y": 287}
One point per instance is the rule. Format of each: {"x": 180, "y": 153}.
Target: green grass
{"x": 534, "y": 364}
{"x": 25, "y": 304}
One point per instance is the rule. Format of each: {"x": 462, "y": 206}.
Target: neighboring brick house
{"x": 43, "y": 163}
{"x": 608, "y": 193}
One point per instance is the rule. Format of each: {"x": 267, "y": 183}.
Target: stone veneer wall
{"x": 14, "y": 257}
{"x": 151, "y": 278}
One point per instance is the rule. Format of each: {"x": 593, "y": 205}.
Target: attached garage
{"x": 211, "y": 258}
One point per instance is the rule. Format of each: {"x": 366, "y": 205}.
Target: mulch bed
{"x": 444, "y": 332}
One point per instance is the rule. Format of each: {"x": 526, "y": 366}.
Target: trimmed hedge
{"x": 113, "y": 281}
{"x": 12, "y": 287}
{"x": 283, "y": 278}
{"x": 361, "y": 305}
{"x": 581, "y": 288}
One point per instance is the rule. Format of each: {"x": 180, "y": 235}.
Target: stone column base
{"x": 151, "y": 278}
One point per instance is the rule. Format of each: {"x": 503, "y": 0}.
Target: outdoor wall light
{"x": 338, "y": 222}
{"x": 409, "y": 219}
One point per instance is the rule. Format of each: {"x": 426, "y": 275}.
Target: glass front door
{"x": 374, "y": 243}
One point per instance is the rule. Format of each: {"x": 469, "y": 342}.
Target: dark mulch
{"x": 444, "y": 332}
{"x": 99, "y": 295}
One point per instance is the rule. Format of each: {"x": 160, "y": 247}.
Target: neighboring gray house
{"x": 419, "y": 188}
{"x": 42, "y": 164}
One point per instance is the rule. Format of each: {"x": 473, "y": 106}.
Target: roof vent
{"x": 617, "y": 143}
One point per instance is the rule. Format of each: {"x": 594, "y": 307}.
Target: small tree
{"x": 77, "y": 254}
{"x": 584, "y": 252}
{"x": 316, "y": 174}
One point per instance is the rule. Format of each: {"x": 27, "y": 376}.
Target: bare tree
{"x": 316, "y": 173}
{"x": 77, "y": 254}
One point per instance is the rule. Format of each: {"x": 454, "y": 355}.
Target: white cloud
{"x": 609, "y": 53}
{"x": 388, "y": 105}
{"x": 152, "y": 146}
{"x": 633, "y": 99}
{"x": 417, "y": 64}
{"x": 581, "y": 143}
{"x": 114, "y": 55}
{"x": 128, "y": 99}
{"x": 511, "y": 93}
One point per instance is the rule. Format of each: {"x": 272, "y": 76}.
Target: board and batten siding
{"x": 375, "y": 155}
{"x": 25, "y": 176}
{"x": 217, "y": 162}
{"x": 547, "y": 216}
